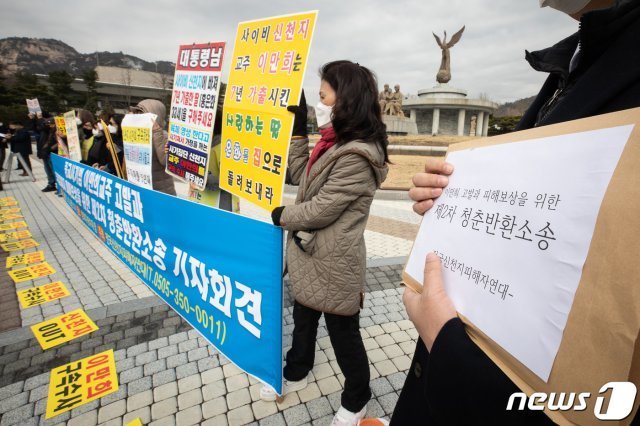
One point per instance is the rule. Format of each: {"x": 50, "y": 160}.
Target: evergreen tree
{"x": 25, "y": 87}
{"x": 90, "y": 78}
{"x": 62, "y": 95}
{"x": 107, "y": 107}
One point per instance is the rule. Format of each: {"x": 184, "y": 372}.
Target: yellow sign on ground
{"x": 10, "y": 210}
{"x": 25, "y": 259}
{"x": 63, "y": 328}
{"x": 10, "y": 216}
{"x": 31, "y": 272}
{"x": 82, "y": 381}
{"x": 13, "y": 225}
{"x": 20, "y": 245}
{"x": 267, "y": 70}
{"x": 42, "y": 294}
{"x": 135, "y": 422}
{"x": 8, "y": 203}
{"x": 17, "y": 235}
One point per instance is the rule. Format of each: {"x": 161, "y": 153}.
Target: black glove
{"x": 300, "y": 120}
{"x": 276, "y": 214}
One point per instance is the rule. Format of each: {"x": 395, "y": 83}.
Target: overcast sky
{"x": 393, "y": 38}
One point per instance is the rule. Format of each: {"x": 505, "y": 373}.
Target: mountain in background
{"x": 43, "y": 55}
{"x": 514, "y": 109}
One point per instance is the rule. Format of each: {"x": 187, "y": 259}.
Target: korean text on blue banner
{"x": 220, "y": 271}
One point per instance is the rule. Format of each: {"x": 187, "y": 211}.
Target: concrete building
{"x": 445, "y": 110}
{"x": 123, "y": 87}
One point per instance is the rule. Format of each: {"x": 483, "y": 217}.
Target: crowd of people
{"x": 49, "y": 139}
{"x": 451, "y": 380}
{"x": 94, "y": 134}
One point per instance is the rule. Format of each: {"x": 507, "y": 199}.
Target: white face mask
{"x": 567, "y": 6}
{"x": 95, "y": 132}
{"x": 78, "y": 122}
{"x": 323, "y": 114}
{"x": 112, "y": 129}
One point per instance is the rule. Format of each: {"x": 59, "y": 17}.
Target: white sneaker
{"x": 268, "y": 394}
{"x": 345, "y": 417}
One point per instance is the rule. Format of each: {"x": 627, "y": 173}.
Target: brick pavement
{"x": 167, "y": 373}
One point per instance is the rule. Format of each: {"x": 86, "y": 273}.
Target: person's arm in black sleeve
{"x": 299, "y": 147}
{"x": 464, "y": 385}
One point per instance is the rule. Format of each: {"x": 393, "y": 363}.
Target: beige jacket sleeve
{"x": 351, "y": 177}
{"x": 159, "y": 140}
{"x": 297, "y": 162}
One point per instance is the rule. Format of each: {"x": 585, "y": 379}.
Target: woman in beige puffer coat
{"x": 326, "y": 253}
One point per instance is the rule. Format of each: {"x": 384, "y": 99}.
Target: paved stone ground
{"x": 168, "y": 374}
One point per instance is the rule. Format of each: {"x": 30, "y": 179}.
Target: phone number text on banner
{"x": 220, "y": 271}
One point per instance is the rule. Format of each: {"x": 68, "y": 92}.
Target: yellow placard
{"x": 42, "y": 294}
{"x": 31, "y": 272}
{"x": 13, "y": 225}
{"x": 10, "y": 216}
{"x": 61, "y": 329}
{"x": 60, "y": 126}
{"x": 8, "y": 203}
{"x": 10, "y": 210}
{"x": 267, "y": 70}
{"x": 74, "y": 384}
{"x": 139, "y": 135}
{"x": 17, "y": 235}
{"x": 25, "y": 259}
{"x": 20, "y": 245}
{"x": 135, "y": 422}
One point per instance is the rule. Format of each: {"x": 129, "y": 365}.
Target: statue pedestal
{"x": 397, "y": 125}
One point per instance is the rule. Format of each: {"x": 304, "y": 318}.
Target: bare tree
{"x": 165, "y": 83}
{"x": 126, "y": 82}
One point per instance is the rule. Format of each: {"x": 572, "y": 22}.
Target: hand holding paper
{"x": 431, "y": 309}
{"x": 429, "y": 184}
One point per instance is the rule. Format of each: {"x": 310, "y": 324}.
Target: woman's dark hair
{"x": 356, "y": 114}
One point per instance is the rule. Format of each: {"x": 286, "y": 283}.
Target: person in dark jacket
{"x": 20, "y": 141}
{"x": 49, "y": 145}
{"x": 4, "y": 130}
{"x": 595, "y": 71}
{"x": 115, "y": 130}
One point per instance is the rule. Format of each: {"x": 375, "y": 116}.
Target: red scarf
{"x": 327, "y": 140}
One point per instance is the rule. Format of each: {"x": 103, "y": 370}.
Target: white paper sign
{"x": 34, "y": 106}
{"x": 73, "y": 139}
{"x": 513, "y": 230}
{"x": 136, "y": 135}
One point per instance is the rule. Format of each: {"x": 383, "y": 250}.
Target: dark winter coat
{"x": 21, "y": 142}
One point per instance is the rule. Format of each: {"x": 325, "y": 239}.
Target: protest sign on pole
{"x": 220, "y": 271}
{"x": 113, "y": 151}
{"x": 267, "y": 71}
{"x": 60, "y": 125}
{"x": 73, "y": 139}
{"x": 196, "y": 85}
{"x": 34, "y": 106}
{"x": 138, "y": 148}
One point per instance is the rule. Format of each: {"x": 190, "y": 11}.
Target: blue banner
{"x": 220, "y": 271}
